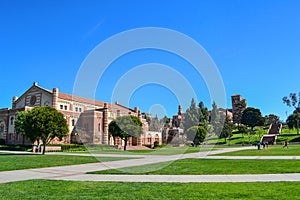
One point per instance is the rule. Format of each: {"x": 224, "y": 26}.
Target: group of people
{"x": 264, "y": 144}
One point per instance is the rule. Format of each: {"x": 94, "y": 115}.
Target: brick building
{"x": 87, "y": 119}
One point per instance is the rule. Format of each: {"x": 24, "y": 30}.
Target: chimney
{"x": 55, "y": 98}
{"x": 105, "y": 124}
{"x": 14, "y": 99}
{"x": 179, "y": 110}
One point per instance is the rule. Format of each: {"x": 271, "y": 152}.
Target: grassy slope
{"x": 46, "y": 189}
{"x": 212, "y": 166}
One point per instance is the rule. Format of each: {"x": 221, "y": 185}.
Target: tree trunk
{"x": 44, "y": 147}
{"x": 125, "y": 144}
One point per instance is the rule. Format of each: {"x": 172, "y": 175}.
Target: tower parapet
{"x": 54, "y": 98}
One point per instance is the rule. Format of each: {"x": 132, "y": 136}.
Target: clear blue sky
{"x": 255, "y": 45}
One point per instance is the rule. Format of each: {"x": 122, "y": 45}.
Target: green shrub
{"x": 2, "y": 142}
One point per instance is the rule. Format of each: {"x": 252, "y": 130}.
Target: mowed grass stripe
{"x": 211, "y": 166}
{"x": 17, "y": 162}
{"x": 47, "y": 189}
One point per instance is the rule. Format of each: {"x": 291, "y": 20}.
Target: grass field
{"x": 211, "y": 166}
{"x": 272, "y": 150}
{"x": 16, "y": 162}
{"x": 46, "y": 189}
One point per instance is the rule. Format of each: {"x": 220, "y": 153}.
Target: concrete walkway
{"x": 77, "y": 172}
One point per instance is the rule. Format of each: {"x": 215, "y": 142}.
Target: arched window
{"x": 12, "y": 121}
{"x": 149, "y": 138}
{"x": 156, "y": 138}
{"x": 99, "y": 127}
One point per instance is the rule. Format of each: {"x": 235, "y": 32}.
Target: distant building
{"x": 238, "y": 106}
{"x": 176, "y": 120}
{"x": 226, "y": 112}
{"x": 87, "y": 119}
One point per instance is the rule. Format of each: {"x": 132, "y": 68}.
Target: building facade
{"x": 238, "y": 106}
{"x": 87, "y": 119}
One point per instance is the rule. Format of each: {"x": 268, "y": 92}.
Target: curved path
{"x": 78, "y": 172}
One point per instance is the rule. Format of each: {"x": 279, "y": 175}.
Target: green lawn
{"x": 211, "y": 166}
{"x": 16, "y": 162}
{"x": 47, "y": 189}
{"x": 272, "y": 150}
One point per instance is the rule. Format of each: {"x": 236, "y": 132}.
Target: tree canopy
{"x": 240, "y": 106}
{"x": 191, "y": 116}
{"x": 197, "y": 134}
{"x": 271, "y": 119}
{"x": 196, "y": 116}
{"x": 216, "y": 119}
{"x": 42, "y": 123}
{"x": 252, "y": 117}
{"x": 125, "y": 127}
{"x": 292, "y": 101}
{"x": 227, "y": 129}
{"x": 293, "y": 121}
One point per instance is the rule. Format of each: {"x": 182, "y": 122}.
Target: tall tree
{"x": 203, "y": 115}
{"x": 191, "y": 116}
{"x": 165, "y": 121}
{"x": 292, "y": 101}
{"x": 125, "y": 127}
{"x": 154, "y": 124}
{"x": 293, "y": 121}
{"x": 197, "y": 134}
{"x": 240, "y": 106}
{"x": 271, "y": 119}
{"x": 227, "y": 129}
{"x": 252, "y": 117}
{"x": 216, "y": 119}
{"x": 42, "y": 123}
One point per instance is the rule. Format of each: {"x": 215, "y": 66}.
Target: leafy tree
{"x": 271, "y": 119}
{"x": 227, "y": 129}
{"x": 292, "y": 101}
{"x": 125, "y": 127}
{"x": 42, "y": 123}
{"x": 197, "y": 134}
{"x": 216, "y": 119}
{"x": 238, "y": 113}
{"x": 165, "y": 121}
{"x": 203, "y": 115}
{"x": 252, "y": 117}
{"x": 154, "y": 124}
{"x": 191, "y": 116}
{"x": 293, "y": 121}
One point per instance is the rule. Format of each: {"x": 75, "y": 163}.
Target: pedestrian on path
{"x": 285, "y": 144}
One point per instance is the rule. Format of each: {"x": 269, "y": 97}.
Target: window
{"x": 156, "y": 138}
{"x": 76, "y": 109}
{"x": 1, "y": 128}
{"x": 149, "y": 138}
{"x": 80, "y": 110}
{"x": 61, "y": 107}
{"x": 66, "y": 107}
{"x": 99, "y": 127}
{"x": 11, "y": 121}
{"x": 73, "y": 122}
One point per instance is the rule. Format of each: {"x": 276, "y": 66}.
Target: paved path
{"x": 77, "y": 172}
